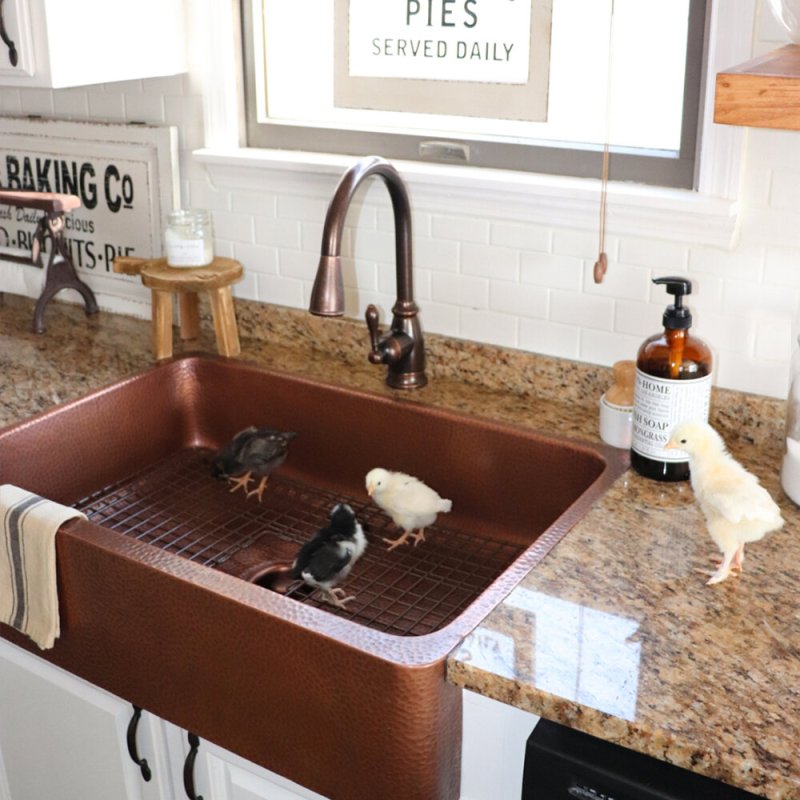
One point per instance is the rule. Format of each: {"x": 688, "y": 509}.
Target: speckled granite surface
{"x": 614, "y": 633}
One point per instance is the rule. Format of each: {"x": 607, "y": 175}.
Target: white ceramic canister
{"x": 189, "y": 238}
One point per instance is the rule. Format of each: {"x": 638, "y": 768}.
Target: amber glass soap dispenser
{"x": 673, "y": 385}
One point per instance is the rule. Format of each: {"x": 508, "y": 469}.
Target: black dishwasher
{"x": 565, "y": 764}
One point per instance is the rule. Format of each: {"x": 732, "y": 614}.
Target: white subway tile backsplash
{"x": 256, "y": 259}
{"x": 106, "y": 106}
{"x": 39, "y": 101}
{"x": 558, "y": 272}
{"x": 297, "y": 264}
{"x": 71, "y": 103}
{"x": 663, "y": 258}
{"x": 460, "y": 229}
{"x": 621, "y": 281}
{"x": 782, "y": 266}
{"x": 583, "y": 310}
{"x": 480, "y": 277}
{"x": 550, "y": 338}
{"x": 281, "y": 290}
{"x": 521, "y": 237}
{"x": 784, "y": 190}
{"x": 282, "y": 233}
{"x": 236, "y": 227}
{"x": 489, "y": 326}
{"x": 483, "y": 260}
{"x": 602, "y": 347}
{"x": 519, "y": 300}
{"x": 142, "y": 108}
{"x": 436, "y": 254}
{"x": 461, "y": 290}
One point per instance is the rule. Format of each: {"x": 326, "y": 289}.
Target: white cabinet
{"x": 61, "y": 737}
{"x": 222, "y": 775}
{"x": 60, "y": 44}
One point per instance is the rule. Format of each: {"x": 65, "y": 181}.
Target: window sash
{"x": 655, "y": 167}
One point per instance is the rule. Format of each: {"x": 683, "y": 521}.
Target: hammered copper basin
{"x": 175, "y": 593}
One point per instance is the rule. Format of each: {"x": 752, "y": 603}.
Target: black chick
{"x": 327, "y": 558}
{"x": 252, "y": 452}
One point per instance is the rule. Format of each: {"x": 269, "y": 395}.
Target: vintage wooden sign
{"x": 467, "y": 57}
{"x": 125, "y": 176}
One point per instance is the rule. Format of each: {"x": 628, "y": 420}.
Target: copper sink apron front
{"x": 299, "y": 688}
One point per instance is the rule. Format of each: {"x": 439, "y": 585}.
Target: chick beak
{"x": 370, "y": 489}
{"x": 670, "y": 445}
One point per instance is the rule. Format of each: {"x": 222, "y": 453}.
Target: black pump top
{"x": 677, "y": 317}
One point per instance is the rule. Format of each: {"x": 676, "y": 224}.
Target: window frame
{"x": 652, "y": 167}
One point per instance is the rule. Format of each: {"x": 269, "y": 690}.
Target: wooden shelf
{"x": 762, "y": 93}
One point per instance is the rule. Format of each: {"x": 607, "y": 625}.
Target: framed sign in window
{"x": 458, "y": 57}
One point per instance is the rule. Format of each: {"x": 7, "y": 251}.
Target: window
{"x": 292, "y": 51}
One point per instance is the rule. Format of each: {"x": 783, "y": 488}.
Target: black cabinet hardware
{"x": 188, "y": 768}
{"x": 133, "y": 752}
{"x": 13, "y": 56}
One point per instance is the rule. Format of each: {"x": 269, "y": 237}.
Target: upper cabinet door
{"x": 57, "y": 44}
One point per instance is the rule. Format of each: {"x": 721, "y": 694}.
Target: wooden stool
{"x": 164, "y": 281}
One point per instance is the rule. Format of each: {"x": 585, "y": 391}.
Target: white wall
{"x": 486, "y": 277}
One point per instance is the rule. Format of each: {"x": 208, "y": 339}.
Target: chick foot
{"x": 336, "y": 597}
{"x": 400, "y": 540}
{"x": 419, "y": 536}
{"x": 259, "y": 490}
{"x": 240, "y": 482}
{"x": 724, "y": 570}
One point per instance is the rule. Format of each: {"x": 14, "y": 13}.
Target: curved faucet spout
{"x": 403, "y": 348}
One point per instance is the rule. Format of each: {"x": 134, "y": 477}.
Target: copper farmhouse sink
{"x": 175, "y": 594}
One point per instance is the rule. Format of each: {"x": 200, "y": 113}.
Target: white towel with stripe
{"x": 28, "y": 589}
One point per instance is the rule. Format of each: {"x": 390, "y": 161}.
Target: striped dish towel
{"x": 28, "y": 591}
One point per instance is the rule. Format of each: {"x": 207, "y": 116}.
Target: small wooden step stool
{"x": 164, "y": 281}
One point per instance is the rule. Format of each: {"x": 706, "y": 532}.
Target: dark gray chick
{"x": 252, "y": 453}
{"x": 327, "y": 558}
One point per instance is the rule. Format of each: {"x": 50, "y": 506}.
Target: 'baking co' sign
{"x": 470, "y": 57}
{"x": 124, "y": 175}
{"x": 487, "y": 41}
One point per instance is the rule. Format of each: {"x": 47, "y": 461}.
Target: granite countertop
{"x": 615, "y": 632}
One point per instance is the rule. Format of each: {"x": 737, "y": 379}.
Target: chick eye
{"x": 682, "y": 441}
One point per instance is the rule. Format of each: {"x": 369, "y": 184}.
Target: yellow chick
{"x": 408, "y": 501}
{"x": 736, "y": 507}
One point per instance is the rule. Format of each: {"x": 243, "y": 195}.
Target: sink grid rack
{"x": 176, "y": 505}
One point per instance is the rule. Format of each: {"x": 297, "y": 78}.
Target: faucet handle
{"x": 375, "y": 356}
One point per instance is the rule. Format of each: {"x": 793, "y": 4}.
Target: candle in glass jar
{"x": 189, "y": 239}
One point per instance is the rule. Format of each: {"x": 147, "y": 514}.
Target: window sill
{"x": 633, "y": 209}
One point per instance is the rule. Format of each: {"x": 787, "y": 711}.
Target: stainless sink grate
{"x": 177, "y": 506}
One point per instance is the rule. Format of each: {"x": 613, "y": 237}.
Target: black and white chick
{"x": 327, "y": 558}
{"x": 252, "y": 453}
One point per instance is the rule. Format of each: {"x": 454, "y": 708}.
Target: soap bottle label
{"x": 659, "y": 405}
